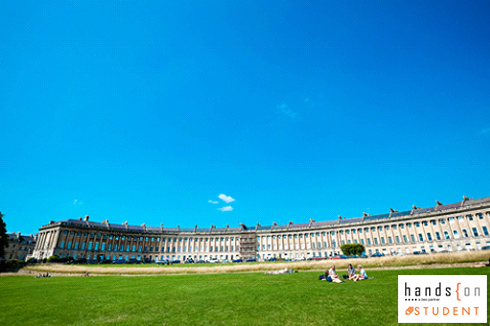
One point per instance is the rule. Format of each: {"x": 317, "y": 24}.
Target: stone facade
{"x": 20, "y": 246}
{"x": 459, "y": 226}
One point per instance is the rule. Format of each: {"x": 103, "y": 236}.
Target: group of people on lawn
{"x": 331, "y": 274}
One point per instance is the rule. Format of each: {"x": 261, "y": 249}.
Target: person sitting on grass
{"x": 351, "y": 271}
{"x": 362, "y": 274}
{"x": 332, "y": 270}
{"x": 332, "y": 277}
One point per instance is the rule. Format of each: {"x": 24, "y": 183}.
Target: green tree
{"x": 346, "y": 249}
{"x": 4, "y": 240}
{"x": 359, "y": 249}
{"x": 352, "y": 249}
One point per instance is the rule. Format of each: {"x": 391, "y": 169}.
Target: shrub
{"x": 352, "y": 249}
{"x": 54, "y": 259}
{"x": 13, "y": 265}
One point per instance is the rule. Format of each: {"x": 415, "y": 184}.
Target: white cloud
{"x": 225, "y": 198}
{"x": 485, "y": 131}
{"x": 75, "y": 202}
{"x": 212, "y": 201}
{"x": 284, "y": 108}
{"x": 226, "y": 209}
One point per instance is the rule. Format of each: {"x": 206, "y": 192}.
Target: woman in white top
{"x": 362, "y": 274}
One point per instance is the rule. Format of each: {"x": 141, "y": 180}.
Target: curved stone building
{"x": 459, "y": 226}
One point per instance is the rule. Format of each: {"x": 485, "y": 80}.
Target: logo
{"x": 442, "y": 298}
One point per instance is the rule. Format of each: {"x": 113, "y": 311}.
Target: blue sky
{"x": 146, "y": 112}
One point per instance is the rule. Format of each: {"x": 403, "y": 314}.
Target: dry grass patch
{"x": 321, "y": 265}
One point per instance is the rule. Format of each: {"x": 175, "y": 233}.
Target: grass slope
{"x": 217, "y": 299}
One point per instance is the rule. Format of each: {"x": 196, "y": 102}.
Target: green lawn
{"x": 219, "y": 299}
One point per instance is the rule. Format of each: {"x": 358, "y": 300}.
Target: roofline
{"x": 393, "y": 215}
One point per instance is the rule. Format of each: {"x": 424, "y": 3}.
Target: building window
{"x": 446, "y": 235}
{"x": 412, "y": 237}
{"x": 465, "y": 233}
{"x": 397, "y": 239}
{"x": 62, "y": 245}
{"x": 438, "y": 236}
{"x": 470, "y": 217}
{"x": 485, "y": 230}
{"x": 429, "y": 236}
{"x": 421, "y": 237}
{"x": 480, "y": 216}
{"x": 456, "y": 235}
{"x": 405, "y": 239}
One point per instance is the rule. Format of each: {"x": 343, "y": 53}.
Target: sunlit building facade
{"x": 458, "y": 226}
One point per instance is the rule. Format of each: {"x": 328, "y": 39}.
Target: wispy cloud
{"x": 212, "y": 201}
{"x": 286, "y": 110}
{"x": 76, "y": 202}
{"x": 225, "y": 198}
{"x": 485, "y": 131}
{"x": 226, "y": 209}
